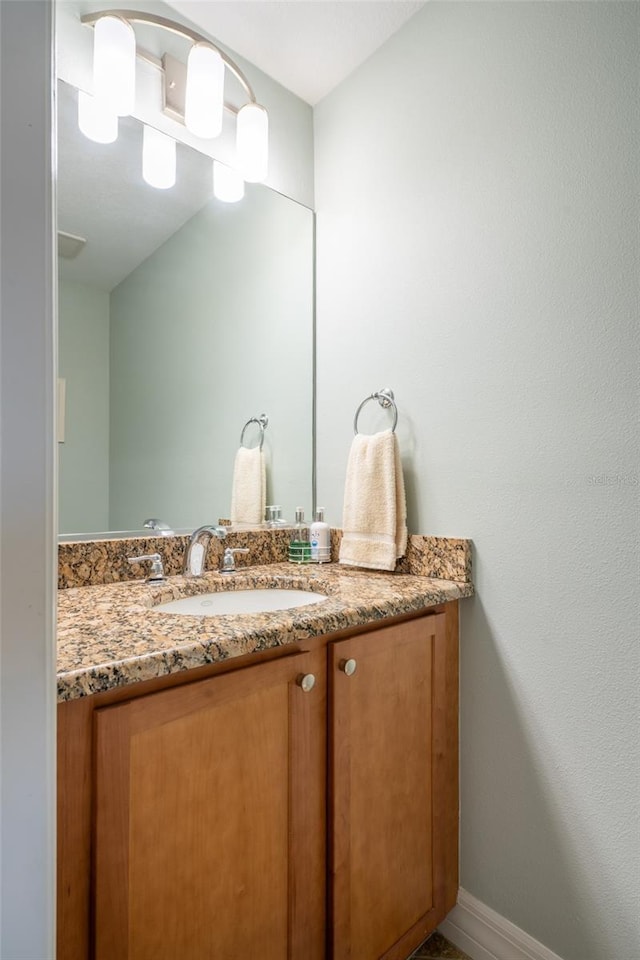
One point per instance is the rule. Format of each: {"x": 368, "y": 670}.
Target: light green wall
{"x": 477, "y": 204}
{"x": 214, "y": 328}
{"x": 83, "y": 319}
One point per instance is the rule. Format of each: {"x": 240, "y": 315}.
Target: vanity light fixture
{"x": 114, "y": 64}
{"x": 194, "y": 96}
{"x": 204, "y": 93}
{"x": 252, "y": 137}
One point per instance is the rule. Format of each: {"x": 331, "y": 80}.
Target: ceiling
{"x": 309, "y": 46}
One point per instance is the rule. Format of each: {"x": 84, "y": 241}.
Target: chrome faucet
{"x": 158, "y": 526}
{"x": 196, "y": 553}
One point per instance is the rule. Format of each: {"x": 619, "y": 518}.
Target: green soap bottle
{"x": 299, "y": 545}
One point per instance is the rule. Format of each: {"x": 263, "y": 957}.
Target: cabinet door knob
{"x": 348, "y": 667}
{"x": 306, "y": 681}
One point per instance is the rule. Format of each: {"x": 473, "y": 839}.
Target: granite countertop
{"x": 109, "y": 635}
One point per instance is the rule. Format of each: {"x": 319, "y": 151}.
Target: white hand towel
{"x": 248, "y": 492}
{"x": 374, "y": 520}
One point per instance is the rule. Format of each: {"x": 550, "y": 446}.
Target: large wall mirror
{"x": 180, "y": 318}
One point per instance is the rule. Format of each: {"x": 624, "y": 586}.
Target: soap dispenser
{"x": 274, "y": 516}
{"x": 299, "y": 545}
{"x": 320, "y": 539}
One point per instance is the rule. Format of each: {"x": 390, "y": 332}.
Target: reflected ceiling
{"x": 103, "y": 198}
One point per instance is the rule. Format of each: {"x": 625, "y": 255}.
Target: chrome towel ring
{"x": 386, "y": 399}
{"x": 262, "y": 421}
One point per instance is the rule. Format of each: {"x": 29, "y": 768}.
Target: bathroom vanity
{"x": 281, "y": 785}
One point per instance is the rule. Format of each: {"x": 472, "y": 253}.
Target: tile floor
{"x": 437, "y": 948}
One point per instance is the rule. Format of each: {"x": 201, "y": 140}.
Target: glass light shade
{"x": 228, "y": 185}
{"x": 96, "y": 121}
{"x": 252, "y": 142}
{"x": 114, "y": 65}
{"x": 204, "y": 97}
{"x": 158, "y": 159}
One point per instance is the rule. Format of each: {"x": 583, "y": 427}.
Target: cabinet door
{"x": 209, "y": 824}
{"x": 390, "y": 845}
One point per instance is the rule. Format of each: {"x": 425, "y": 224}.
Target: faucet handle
{"x": 156, "y": 574}
{"x": 228, "y": 560}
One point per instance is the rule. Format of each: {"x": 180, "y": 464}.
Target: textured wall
{"x": 83, "y": 360}
{"x": 476, "y": 191}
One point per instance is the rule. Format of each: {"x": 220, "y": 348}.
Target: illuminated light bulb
{"x": 158, "y": 159}
{"x": 252, "y": 142}
{"x": 228, "y": 185}
{"x": 114, "y": 65}
{"x": 204, "y": 97}
{"x": 96, "y": 121}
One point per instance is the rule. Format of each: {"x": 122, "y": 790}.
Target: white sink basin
{"x": 240, "y": 601}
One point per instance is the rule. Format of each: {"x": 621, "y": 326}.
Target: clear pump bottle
{"x": 299, "y": 545}
{"x": 320, "y": 539}
{"x": 274, "y": 516}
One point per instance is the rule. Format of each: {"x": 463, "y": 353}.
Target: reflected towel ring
{"x": 386, "y": 399}
{"x": 262, "y": 421}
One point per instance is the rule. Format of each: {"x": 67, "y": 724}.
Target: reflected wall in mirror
{"x": 180, "y": 318}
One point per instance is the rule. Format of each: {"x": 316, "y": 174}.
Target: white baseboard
{"x": 485, "y": 935}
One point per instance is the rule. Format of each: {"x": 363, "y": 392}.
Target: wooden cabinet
{"x": 206, "y": 843}
{"x": 390, "y": 795}
{"x": 237, "y": 814}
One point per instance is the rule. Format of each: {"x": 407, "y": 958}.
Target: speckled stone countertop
{"x": 87, "y": 563}
{"x": 110, "y": 636}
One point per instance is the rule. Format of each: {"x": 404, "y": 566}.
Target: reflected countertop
{"x": 110, "y": 635}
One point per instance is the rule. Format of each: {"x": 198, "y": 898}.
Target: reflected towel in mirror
{"x": 249, "y": 488}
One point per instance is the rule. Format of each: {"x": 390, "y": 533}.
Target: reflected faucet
{"x": 158, "y": 526}
{"x": 196, "y": 553}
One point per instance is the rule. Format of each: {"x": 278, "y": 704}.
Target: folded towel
{"x": 374, "y": 519}
{"x": 248, "y": 492}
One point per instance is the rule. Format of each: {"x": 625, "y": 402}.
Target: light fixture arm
{"x": 137, "y": 16}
